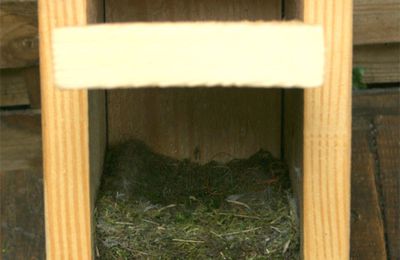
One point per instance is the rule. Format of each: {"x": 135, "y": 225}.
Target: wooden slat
{"x": 381, "y": 62}
{"x": 327, "y": 132}
{"x": 20, "y": 87}
{"x": 257, "y": 54}
{"x": 220, "y": 123}
{"x": 21, "y": 186}
{"x": 20, "y": 140}
{"x": 372, "y": 102}
{"x": 367, "y": 229}
{"x": 68, "y": 168}
{"x": 13, "y": 88}
{"x": 18, "y": 34}
{"x": 379, "y": 109}
{"x": 376, "y": 21}
{"x": 388, "y": 149}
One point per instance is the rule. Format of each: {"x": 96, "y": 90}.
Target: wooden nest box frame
{"x": 314, "y": 123}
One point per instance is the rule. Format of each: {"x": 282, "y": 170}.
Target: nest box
{"x": 198, "y": 79}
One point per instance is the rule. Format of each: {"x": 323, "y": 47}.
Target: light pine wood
{"x": 229, "y": 123}
{"x": 256, "y": 54}
{"x": 67, "y": 159}
{"x": 376, "y": 21}
{"x": 380, "y": 61}
{"x": 327, "y": 137}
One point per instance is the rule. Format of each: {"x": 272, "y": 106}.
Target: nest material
{"x": 154, "y": 207}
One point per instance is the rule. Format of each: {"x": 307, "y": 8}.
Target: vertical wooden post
{"x": 68, "y": 164}
{"x": 327, "y": 134}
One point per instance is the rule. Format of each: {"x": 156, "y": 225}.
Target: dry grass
{"x": 154, "y": 207}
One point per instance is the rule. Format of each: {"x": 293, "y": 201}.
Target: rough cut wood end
{"x": 253, "y": 54}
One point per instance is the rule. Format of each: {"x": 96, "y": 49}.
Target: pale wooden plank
{"x": 381, "y": 62}
{"x": 191, "y": 54}
{"x": 229, "y": 123}
{"x": 68, "y": 167}
{"x": 327, "y": 136}
{"x": 18, "y": 34}
{"x": 376, "y": 21}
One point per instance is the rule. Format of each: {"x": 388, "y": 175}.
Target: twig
{"x": 151, "y": 222}
{"x": 276, "y": 229}
{"x": 167, "y": 207}
{"x": 125, "y": 223}
{"x": 187, "y": 240}
{"x": 241, "y": 232}
{"x": 239, "y": 215}
{"x": 239, "y": 203}
{"x": 217, "y": 235}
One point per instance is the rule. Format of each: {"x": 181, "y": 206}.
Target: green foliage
{"x": 358, "y": 75}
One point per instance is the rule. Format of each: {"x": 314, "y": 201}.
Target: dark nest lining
{"x": 154, "y": 207}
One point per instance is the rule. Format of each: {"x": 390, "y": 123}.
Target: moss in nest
{"x": 154, "y": 207}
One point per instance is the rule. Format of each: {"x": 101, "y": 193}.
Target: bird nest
{"x": 154, "y": 207}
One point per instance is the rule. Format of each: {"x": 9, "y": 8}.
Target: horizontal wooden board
{"x": 20, "y": 86}
{"x": 13, "y": 89}
{"x": 381, "y": 62}
{"x": 189, "y": 54}
{"x": 18, "y": 34}
{"x": 376, "y": 21}
{"x": 20, "y": 138}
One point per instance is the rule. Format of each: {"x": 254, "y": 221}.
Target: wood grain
{"x": 66, "y": 151}
{"x": 32, "y": 80}
{"x": 191, "y": 10}
{"x": 381, "y": 62}
{"x": 388, "y": 150}
{"x": 327, "y": 135}
{"x": 20, "y": 140}
{"x": 19, "y": 34}
{"x": 13, "y": 88}
{"x": 220, "y": 123}
{"x": 367, "y": 228}
{"x": 20, "y": 86}
{"x": 376, "y": 130}
{"x": 376, "y": 21}
{"x": 21, "y": 186}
